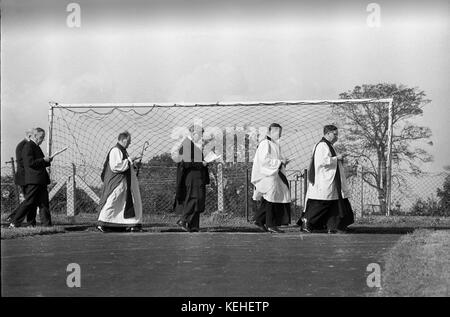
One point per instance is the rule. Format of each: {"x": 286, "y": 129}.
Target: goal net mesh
{"x": 90, "y": 131}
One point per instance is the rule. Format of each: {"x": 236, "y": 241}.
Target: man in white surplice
{"x": 120, "y": 203}
{"x": 327, "y": 204}
{"x": 271, "y": 185}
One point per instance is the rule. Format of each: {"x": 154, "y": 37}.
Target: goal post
{"x": 234, "y": 130}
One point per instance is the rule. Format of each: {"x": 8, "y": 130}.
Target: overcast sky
{"x": 195, "y": 51}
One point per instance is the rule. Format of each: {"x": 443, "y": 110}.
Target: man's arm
{"x": 19, "y": 149}
{"x": 269, "y": 164}
{"x": 323, "y": 156}
{"x": 116, "y": 161}
{"x": 30, "y": 161}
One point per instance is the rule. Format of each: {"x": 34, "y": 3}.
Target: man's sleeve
{"x": 269, "y": 165}
{"x": 116, "y": 161}
{"x": 30, "y": 161}
{"x": 19, "y": 149}
{"x": 323, "y": 156}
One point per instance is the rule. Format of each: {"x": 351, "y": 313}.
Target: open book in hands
{"x": 211, "y": 157}
{"x": 58, "y": 152}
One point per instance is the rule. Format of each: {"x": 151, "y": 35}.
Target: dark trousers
{"x": 194, "y": 202}
{"x": 35, "y": 196}
{"x": 31, "y": 216}
{"x": 193, "y": 206}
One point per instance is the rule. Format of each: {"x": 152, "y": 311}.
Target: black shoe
{"x": 194, "y": 229}
{"x": 305, "y": 226}
{"x": 332, "y": 231}
{"x": 136, "y": 229}
{"x": 183, "y": 225}
{"x": 274, "y": 230}
{"x": 263, "y": 228}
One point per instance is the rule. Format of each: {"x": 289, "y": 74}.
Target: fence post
{"x": 50, "y": 133}
{"x": 305, "y": 183}
{"x": 13, "y": 168}
{"x": 71, "y": 195}
{"x": 295, "y": 194}
{"x": 246, "y": 193}
{"x": 220, "y": 187}
{"x": 389, "y": 159}
{"x": 362, "y": 190}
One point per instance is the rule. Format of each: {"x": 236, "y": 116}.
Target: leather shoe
{"x": 305, "y": 226}
{"x": 183, "y": 225}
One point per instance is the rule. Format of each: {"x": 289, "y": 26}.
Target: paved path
{"x": 196, "y": 264}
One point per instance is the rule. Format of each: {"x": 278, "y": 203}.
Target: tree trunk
{"x": 382, "y": 184}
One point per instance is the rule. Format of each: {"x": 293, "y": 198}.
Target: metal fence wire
{"x": 89, "y": 132}
{"x": 418, "y": 196}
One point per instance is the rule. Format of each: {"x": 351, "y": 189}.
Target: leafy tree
{"x": 365, "y": 135}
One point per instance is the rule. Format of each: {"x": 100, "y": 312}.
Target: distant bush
{"x": 428, "y": 207}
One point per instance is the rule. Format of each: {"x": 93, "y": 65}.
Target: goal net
{"x": 234, "y": 130}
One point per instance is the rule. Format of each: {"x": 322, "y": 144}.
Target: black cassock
{"x": 192, "y": 178}
{"x": 327, "y": 214}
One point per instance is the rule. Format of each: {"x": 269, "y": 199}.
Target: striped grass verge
{"x": 418, "y": 265}
{"x": 13, "y": 233}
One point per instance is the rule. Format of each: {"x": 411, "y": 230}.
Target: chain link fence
{"x": 427, "y": 194}
{"x": 9, "y": 191}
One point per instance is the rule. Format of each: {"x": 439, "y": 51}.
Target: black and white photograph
{"x": 225, "y": 156}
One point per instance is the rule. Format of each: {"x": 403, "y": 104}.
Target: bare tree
{"x": 366, "y": 127}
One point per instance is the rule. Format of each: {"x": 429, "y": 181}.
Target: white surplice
{"x": 265, "y": 178}
{"x": 113, "y": 210}
{"x": 324, "y": 187}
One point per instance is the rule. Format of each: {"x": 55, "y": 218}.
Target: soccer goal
{"x": 233, "y": 130}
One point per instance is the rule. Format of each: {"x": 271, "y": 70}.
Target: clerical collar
{"x": 272, "y": 140}
{"x": 198, "y": 144}
{"x": 326, "y": 141}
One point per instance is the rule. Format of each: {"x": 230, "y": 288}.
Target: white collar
{"x": 198, "y": 144}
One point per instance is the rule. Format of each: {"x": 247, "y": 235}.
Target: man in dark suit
{"x": 36, "y": 181}
{"x": 19, "y": 177}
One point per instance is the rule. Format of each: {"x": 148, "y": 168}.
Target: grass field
{"x": 418, "y": 265}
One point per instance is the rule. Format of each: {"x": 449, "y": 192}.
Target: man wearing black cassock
{"x": 327, "y": 204}
{"x": 36, "y": 181}
{"x": 192, "y": 178}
